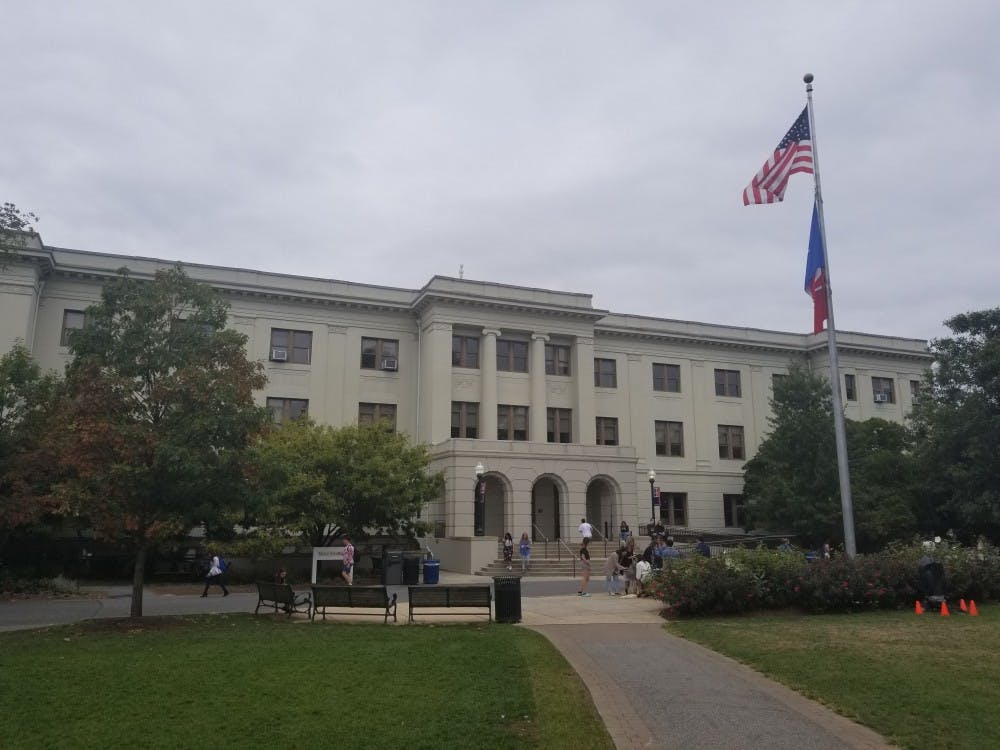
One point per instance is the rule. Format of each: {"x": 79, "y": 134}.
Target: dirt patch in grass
{"x": 143, "y": 624}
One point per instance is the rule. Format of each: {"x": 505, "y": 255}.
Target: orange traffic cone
{"x": 919, "y": 609}
{"x": 944, "y": 610}
{"x": 962, "y": 606}
{"x": 973, "y": 609}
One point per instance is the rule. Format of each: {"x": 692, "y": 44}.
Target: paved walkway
{"x": 653, "y": 690}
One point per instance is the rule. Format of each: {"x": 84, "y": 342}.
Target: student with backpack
{"x": 216, "y": 570}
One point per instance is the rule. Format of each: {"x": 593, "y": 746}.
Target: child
{"x": 525, "y": 549}
{"x": 508, "y": 548}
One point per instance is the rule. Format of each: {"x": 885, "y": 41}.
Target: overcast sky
{"x": 585, "y": 147}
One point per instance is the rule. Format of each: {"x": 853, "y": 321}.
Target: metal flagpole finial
{"x": 808, "y": 78}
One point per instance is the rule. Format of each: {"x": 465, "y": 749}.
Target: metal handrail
{"x": 545, "y": 539}
{"x": 569, "y": 551}
{"x": 604, "y": 538}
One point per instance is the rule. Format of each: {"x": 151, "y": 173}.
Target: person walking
{"x": 702, "y": 548}
{"x": 584, "y": 560}
{"x": 347, "y": 572}
{"x": 214, "y": 575}
{"x": 586, "y": 530}
{"x": 525, "y": 550}
{"x": 625, "y": 532}
{"x": 508, "y": 548}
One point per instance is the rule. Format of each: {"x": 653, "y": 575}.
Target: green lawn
{"x": 922, "y": 682}
{"x": 242, "y": 681}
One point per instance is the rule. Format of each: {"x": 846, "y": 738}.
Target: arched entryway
{"x": 496, "y": 505}
{"x": 602, "y": 496}
{"x": 546, "y": 501}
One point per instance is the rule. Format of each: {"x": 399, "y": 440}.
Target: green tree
{"x": 314, "y": 480}
{"x": 792, "y": 484}
{"x": 151, "y": 437}
{"x": 16, "y": 226}
{"x": 26, "y": 397}
{"x": 957, "y": 426}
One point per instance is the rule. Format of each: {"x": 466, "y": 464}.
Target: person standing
{"x": 214, "y": 576}
{"x": 347, "y": 572}
{"x": 508, "y": 548}
{"x": 612, "y": 569}
{"x": 586, "y": 530}
{"x": 625, "y": 532}
{"x": 702, "y": 548}
{"x": 525, "y": 550}
{"x": 584, "y": 560}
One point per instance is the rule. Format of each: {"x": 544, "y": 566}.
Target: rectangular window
{"x": 735, "y": 510}
{"x": 915, "y": 390}
{"x": 512, "y": 356}
{"x": 883, "y": 390}
{"x": 72, "y": 320}
{"x": 607, "y": 431}
{"x": 558, "y": 425}
{"x": 557, "y": 359}
{"x": 464, "y": 419}
{"x": 465, "y": 351}
{"x": 667, "y": 378}
{"x": 296, "y": 345}
{"x": 368, "y": 413}
{"x": 669, "y": 438}
{"x": 731, "y": 442}
{"x": 379, "y": 354}
{"x": 673, "y": 508}
{"x": 283, "y": 409}
{"x": 512, "y": 422}
{"x": 605, "y": 373}
{"x": 727, "y": 383}
{"x": 776, "y": 380}
{"x": 850, "y": 387}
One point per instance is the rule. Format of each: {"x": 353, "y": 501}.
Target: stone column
{"x": 488, "y": 373}
{"x": 584, "y": 425}
{"x": 536, "y": 411}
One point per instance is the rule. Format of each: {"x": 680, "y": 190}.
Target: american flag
{"x": 793, "y": 155}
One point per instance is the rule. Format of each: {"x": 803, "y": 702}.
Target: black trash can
{"x": 507, "y": 598}
{"x": 392, "y": 568}
{"x": 411, "y": 568}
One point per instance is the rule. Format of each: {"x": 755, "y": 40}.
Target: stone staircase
{"x": 550, "y": 559}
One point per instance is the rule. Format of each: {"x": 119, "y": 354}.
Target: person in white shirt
{"x": 586, "y": 530}
{"x": 215, "y": 576}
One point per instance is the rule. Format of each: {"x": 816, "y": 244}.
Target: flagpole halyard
{"x": 840, "y": 432}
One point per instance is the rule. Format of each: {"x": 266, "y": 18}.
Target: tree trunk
{"x": 138, "y": 574}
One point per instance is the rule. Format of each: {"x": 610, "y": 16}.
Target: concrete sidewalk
{"x": 652, "y": 690}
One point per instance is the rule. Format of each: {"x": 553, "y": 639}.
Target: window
{"x": 850, "y": 388}
{"x": 379, "y": 354}
{"x": 667, "y": 378}
{"x": 607, "y": 431}
{"x": 512, "y": 356}
{"x": 776, "y": 380}
{"x": 883, "y": 390}
{"x": 557, "y": 359}
{"x": 673, "y": 508}
{"x": 72, "y": 320}
{"x": 605, "y": 373}
{"x": 465, "y": 351}
{"x": 297, "y": 345}
{"x": 284, "y": 409}
{"x": 915, "y": 390}
{"x": 669, "y": 438}
{"x": 368, "y": 413}
{"x": 558, "y": 425}
{"x": 734, "y": 509}
{"x": 727, "y": 383}
{"x": 464, "y": 419}
{"x": 512, "y": 422}
{"x": 731, "y": 442}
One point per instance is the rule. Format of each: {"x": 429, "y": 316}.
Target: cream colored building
{"x": 566, "y": 407}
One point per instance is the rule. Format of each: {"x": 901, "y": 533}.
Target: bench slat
{"x": 354, "y": 597}
{"x": 460, "y": 595}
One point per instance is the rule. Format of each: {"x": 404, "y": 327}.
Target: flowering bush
{"x": 747, "y": 580}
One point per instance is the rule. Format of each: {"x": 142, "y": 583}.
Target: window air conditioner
{"x": 279, "y": 355}
{"x": 391, "y": 364}
{"x": 881, "y": 398}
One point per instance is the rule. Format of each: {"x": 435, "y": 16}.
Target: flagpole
{"x": 846, "y": 504}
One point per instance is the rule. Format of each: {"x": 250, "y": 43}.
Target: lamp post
{"x": 652, "y": 492}
{"x": 479, "y": 505}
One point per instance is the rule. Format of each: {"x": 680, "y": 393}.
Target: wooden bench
{"x": 355, "y": 597}
{"x": 282, "y": 596}
{"x": 460, "y": 595}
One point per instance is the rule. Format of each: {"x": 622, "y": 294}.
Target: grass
{"x": 242, "y": 681}
{"x": 922, "y": 682}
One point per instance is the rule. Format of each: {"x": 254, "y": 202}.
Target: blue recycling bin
{"x": 432, "y": 570}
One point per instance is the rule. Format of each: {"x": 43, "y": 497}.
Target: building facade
{"x": 566, "y": 408}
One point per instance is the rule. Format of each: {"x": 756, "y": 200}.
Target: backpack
{"x": 223, "y": 565}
